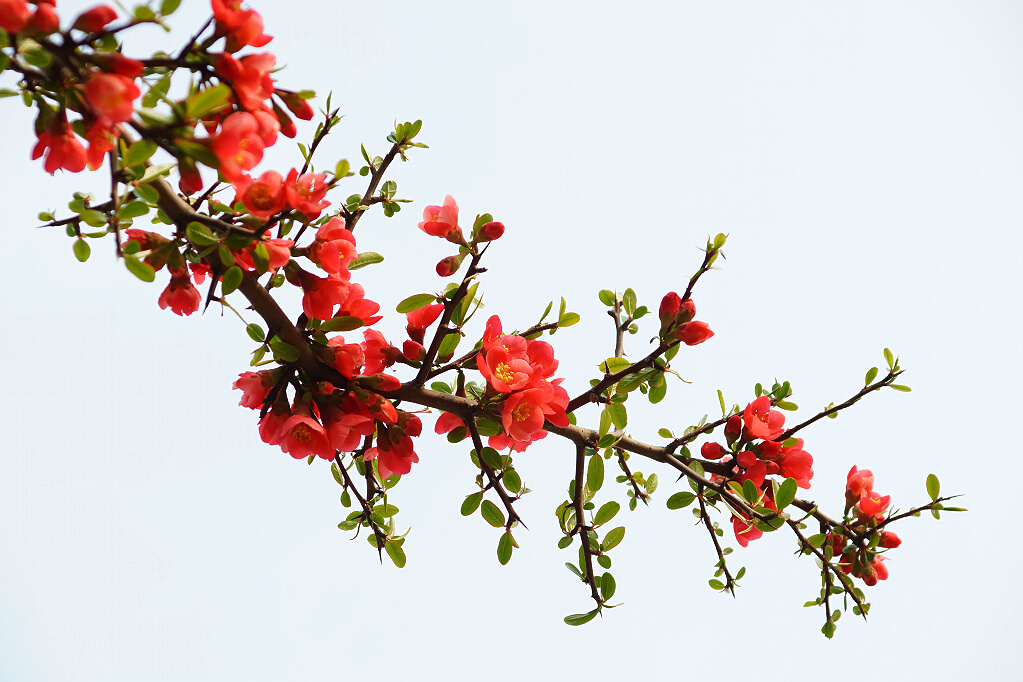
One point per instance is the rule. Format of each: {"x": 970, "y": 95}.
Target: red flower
{"x": 322, "y": 294}
{"x": 348, "y": 357}
{"x": 857, "y": 482}
{"x": 101, "y": 140}
{"x": 522, "y": 414}
{"x": 241, "y": 26}
{"x": 872, "y": 504}
{"x": 394, "y": 452}
{"x": 180, "y": 296}
{"x": 306, "y": 192}
{"x": 296, "y": 104}
{"x": 254, "y": 387}
{"x": 249, "y": 77}
{"x": 449, "y": 266}
{"x": 889, "y": 540}
{"x": 65, "y": 151}
{"x": 263, "y": 196}
{"x": 378, "y": 352}
{"x": 413, "y": 351}
{"x": 733, "y": 428}
{"x": 334, "y": 247}
{"x": 112, "y": 96}
{"x": 238, "y": 147}
{"x": 190, "y": 181}
{"x": 301, "y": 435}
{"x": 794, "y": 462}
{"x": 357, "y": 305}
{"x": 711, "y": 450}
{"x": 448, "y": 422}
{"x": 419, "y": 320}
{"x": 503, "y": 372}
{"x": 692, "y": 333}
{"x": 116, "y": 62}
{"x": 489, "y": 232}
{"x": 95, "y": 19}
{"x": 442, "y": 221}
{"x": 347, "y": 424}
{"x": 271, "y": 423}
{"x": 14, "y": 15}
{"x": 761, "y": 421}
{"x": 668, "y": 311}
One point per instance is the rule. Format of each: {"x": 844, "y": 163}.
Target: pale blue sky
{"x": 867, "y": 163}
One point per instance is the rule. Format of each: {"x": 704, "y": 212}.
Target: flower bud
{"x": 733, "y": 428}
{"x": 668, "y": 311}
{"x": 450, "y": 265}
{"x": 711, "y": 450}
{"x": 889, "y": 540}
{"x": 95, "y": 19}
{"x": 489, "y": 232}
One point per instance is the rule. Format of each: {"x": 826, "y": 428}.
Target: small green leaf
{"x": 716, "y": 584}
{"x": 871, "y": 374}
{"x": 595, "y": 473}
{"x": 612, "y": 539}
{"x": 607, "y": 297}
{"x": 568, "y": 319}
{"x": 899, "y": 387}
{"x": 629, "y": 301}
{"x": 143, "y": 271}
{"x": 415, "y": 302}
{"x": 817, "y": 540}
{"x": 199, "y": 234}
{"x": 606, "y": 512}
{"x": 504, "y": 548}
{"x": 680, "y": 500}
{"x": 167, "y": 7}
{"x": 82, "y": 250}
{"x": 255, "y": 333}
{"x": 933, "y": 486}
{"x": 139, "y": 152}
{"x": 207, "y": 101}
{"x": 396, "y": 553}
{"x": 231, "y": 280}
{"x": 786, "y": 493}
{"x": 133, "y": 209}
{"x": 613, "y": 365}
{"x": 581, "y": 618}
{"x": 889, "y": 358}
{"x": 492, "y": 515}
{"x": 664, "y": 433}
{"x": 284, "y": 352}
{"x": 511, "y": 480}
{"x": 750, "y": 491}
{"x": 341, "y": 324}
{"x": 607, "y": 586}
{"x": 471, "y": 503}
{"x": 829, "y": 629}
{"x": 364, "y": 259}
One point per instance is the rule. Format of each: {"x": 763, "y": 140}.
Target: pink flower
{"x": 263, "y": 196}
{"x": 112, "y": 96}
{"x": 249, "y": 77}
{"x": 442, "y": 221}
{"x": 348, "y": 357}
{"x": 180, "y": 296}
{"x": 522, "y": 414}
{"x": 794, "y": 462}
{"x": 761, "y": 421}
{"x": 254, "y": 387}
{"x": 504, "y": 372}
{"x": 306, "y": 192}
{"x": 857, "y": 482}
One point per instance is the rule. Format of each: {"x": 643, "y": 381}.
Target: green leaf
{"x": 471, "y": 503}
{"x": 629, "y": 301}
{"x": 255, "y": 333}
{"x": 721, "y": 401}
{"x": 606, "y": 512}
{"x": 664, "y": 433}
{"x": 680, "y": 500}
{"x": 595, "y": 473}
{"x": 341, "y": 324}
{"x": 933, "y": 486}
{"x": 139, "y": 152}
{"x": 504, "y": 548}
{"x": 612, "y": 539}
{"x": 607, "y": 586}
{"x": 511, "y": 480}
{"x": 613, "y": 365}
{"x": 364, "y": 259}
{"x": 817, "y": 540}
{"x": 889, "y": 358}
{"x": 415, "y": 302}
{"x": 82, "y": 250}
{"x": 898, "y": 387}
{"x": 284, "y": 352}
{"x": 492, "y": 515}
{"x": 829, "y": 629}
{"x": 396, "y": 553}
{"x": 133, "y": 209}
{"x": 871, "y": 374}
{"x": 619, "y": 417}
{"x": 199, "y": 234}
{"x": 231, "y": 280}
{"x": 581, "y": 618}
{"x": 786, "y": 493}
{"x": 143, "y": 271}
{"x": 607, "y": 297}
{"x": 657, "y": 392}
{"x": 385, "y": 510}
{"x": 207, "y": 101}
{"x": 749, "y": 491}
{"x": 167, "y": 7}
{"x": 651, "y": 483}
{"x": 568, "y": 319}
{"x": 716, "y": 584}
{"x": 491, "y": 457}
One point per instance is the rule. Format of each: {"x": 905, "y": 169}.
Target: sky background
{"x": 866, "y": 162}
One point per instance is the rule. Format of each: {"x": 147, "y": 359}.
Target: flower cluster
{"x": 866, "y": 509}
{"x": 677, "y": 324}
{"x": 755, "y": 453}
{"x": 442, "y": 221}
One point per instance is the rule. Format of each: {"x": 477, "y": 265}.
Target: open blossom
{"x": 249, "y": 77}
{"x": 448, "y": 422}
{"x": 180, "y": 296}
{"x": 356, "y": 305}
{"x": 112, "y": 96}
{"x": 306, "y": 193}
{"x": 262, "y": 196}
{"x": 857, "y": 482}
{"x": 278, "y": 253}
{"x": 14, "y": 15}
{"x": 301, "y": 435}
{"x": 348, "y": 357}
{"x": 504, "y": 372}
{"x": 761, "y": 421}
{"x": 101, "y": 140}
{"x": 271, "y": 423}
{"x": 62, "y": 148}
{"x": 322, "y": 295}
{"x": 873, "y": 504}
{"x": 238, "y": 146}
{"x": 394, "y": 452}
{"x": 794, "y": 462}
{"x": 442, "y": 221}
{"x": 347, "y": 424}
{"x": 241, "y": 26}
{"x": 334, "y": 247}
{"x": 522, "y": 414}
{"x": 254, "y": 387}
{"x": 378, "y": 352}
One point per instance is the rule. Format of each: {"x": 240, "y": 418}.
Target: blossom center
{"x": 300, "y": 433}
{"x": 521, "y": 412}
{"x": 504, "y": 373}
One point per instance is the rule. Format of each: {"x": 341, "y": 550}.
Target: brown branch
{"x": 892, "y": 374}
{"x": 494, "y": 479}
{"x": 729, "y": 581}
{"x": 846, "y": 585}
{"x": 590, "y": 395}
{"x": 580, "y": 521}
{"x": 366, "y": 510}
{"x": 352, "y": 217}
{"x": 640, "y": 494}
